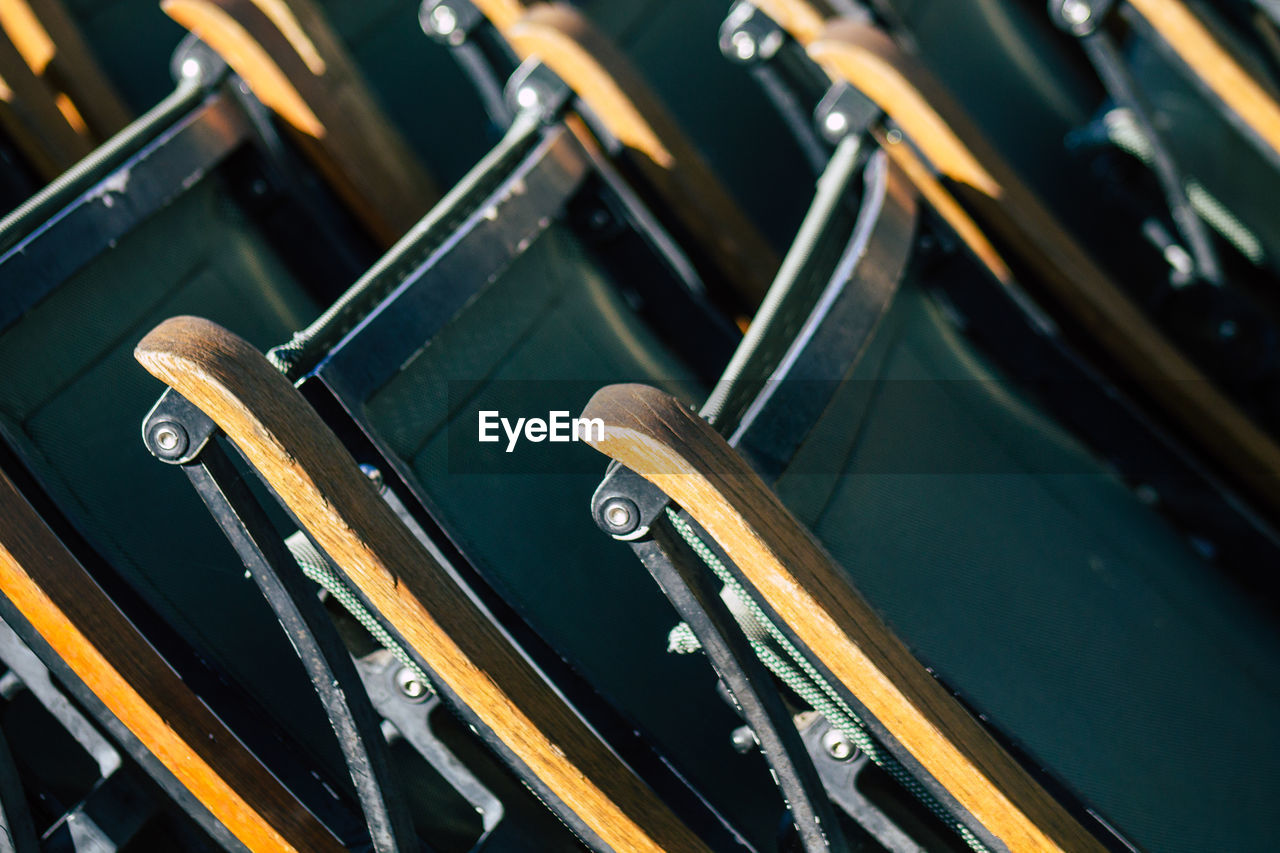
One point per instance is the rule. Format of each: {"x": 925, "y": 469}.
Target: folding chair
{"x": 201, "y": 194}
{"x": 960, "y": 175}
{"x": 863, "y": 443}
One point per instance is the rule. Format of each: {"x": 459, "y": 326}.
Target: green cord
{"x": 795, "y": 671}
{"x": 317, "y": 568}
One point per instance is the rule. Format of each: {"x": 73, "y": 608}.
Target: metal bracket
{"x": 175, "y": 431}
{"x": 536, "y": 88}
{"x": 449, "y": 22}
{"x": 625, "y": 504}
{"x": 844, "y": 111}
{"x": 748, "y": 36}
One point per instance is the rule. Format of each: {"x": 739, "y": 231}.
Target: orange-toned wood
{"x": 1060, "y": 271}
{"x": 315, "y": 476}
{"x": 657, "y": 437}
{"x": 31, "y": 119}
{"x": 562, "y": 39}
{"x": 294, "y": 63}
{"x": 54, "y": 50}
{"x": 1213, "y": 63}
{"x": 801, "y": 19}
{"x": 54, "y": 593}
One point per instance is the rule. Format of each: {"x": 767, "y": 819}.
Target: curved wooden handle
{"x": 315, "y": 476}
{"x": 54, "y": 593}
{"x": 1210, "y": 60}
{"x": 598, "y": 72}
{"x": 294, "y": 63}
{"x": 654, "y": 435}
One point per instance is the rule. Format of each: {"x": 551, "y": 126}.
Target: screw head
{"x": 410, "y": 684}
{"x": 620, "y": 515}
{"x": 1076, "y": 12}
{"x": 169, "y": 440}
{"x": 443, "y": 19}
{"x": 743, "y": 740}
{"x": 190, "y": 68}
{"x": 374, "y": 475}
{"x": 836, "y": 123}
{"x": 838, "y": 746}
{"x": 528, "y": 97}
{"x": 744, "y": 46}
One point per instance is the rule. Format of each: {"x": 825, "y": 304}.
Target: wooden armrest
{"x": 598, "y": 72}
{"x": 288, "y": 55}
{"x": 1217, "y": 69}
{"x": 53, "y": 48}
{"x": 1063, "y": 272}
{"x": 315, "y": 476}
{"x": 653, "y": 434}
{"x": 54, "y": 593}
{"x": 30, "y": 117}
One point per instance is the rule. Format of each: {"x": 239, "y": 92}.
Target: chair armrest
{"x": 318, "y": 480}
{"x": 54, "y": 593}
{"x": 294, "y": 63}
{"x": 607, "y": 82}
{"x": 654, "y": 435}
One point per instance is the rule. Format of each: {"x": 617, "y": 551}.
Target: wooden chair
{"x": 1005, "y": 226}
{"x": 296, "y": 65}
{"x": 881, "y": 454}
{"x": 102, "y": 652}
{"x": 225, "y": 220}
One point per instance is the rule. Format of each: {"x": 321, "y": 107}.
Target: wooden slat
{"x": 598, "y": 72}
{"x": 657, "y": 437}
{"x": 54, "y": 593}
{"x": 1062, "y": 271}
{"x": 1213, "y": 63}
{"x": 30, "y": 118}
{"x": 53, "y": 48}
{"x": 315, "y": 476}
{"x": 295, "y": 64}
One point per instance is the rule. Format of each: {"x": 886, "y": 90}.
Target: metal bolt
{"x": 838, "y": 746}
{"x": 374, "y": 475}
{"x": 836, "y": 123}
{"x": 190, "y": 68}
{"x": 743, "y": 740}
{"x": 893, "y": 137}
{"x": 169, "y": 439}
{"x": 444, "y": 20}
{"x": 1076, "y": 12}
{"x": 744, "y": 46}
{"x": 410, "y": 684}
{"x": 528, "y": 97}
{"x": 621, "y": 515}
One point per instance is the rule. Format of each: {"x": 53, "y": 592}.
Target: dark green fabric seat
{"x": 1035, "y": 584}
{"x": 71, "y": 402}
{"x": 544, "y": 337}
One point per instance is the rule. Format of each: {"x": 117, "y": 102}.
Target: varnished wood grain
{"x": 54, "y": 593}
{"x": 1213, "y": 63}
{"x": 53, "y": 48}
{"x": 317, "y": 478}
{"x": 1061, "y": 272}
{"x": 295, "y": 64}
{"x": 598, "y": 72}
{"x": 653, "y": 434}
{"x": 31, "y": 119}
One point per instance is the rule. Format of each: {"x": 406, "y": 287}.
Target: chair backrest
{"x": 189, "y": 194}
